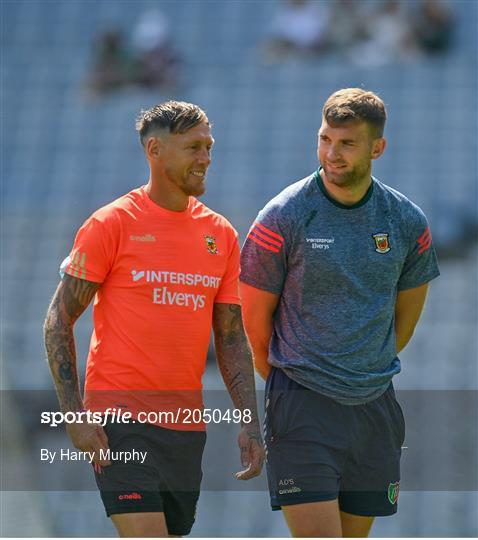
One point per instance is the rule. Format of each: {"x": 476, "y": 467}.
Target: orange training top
{"x": 161, "y": 273}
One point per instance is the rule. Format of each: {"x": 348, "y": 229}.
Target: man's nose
{"x": 333, "y": 152}
{"x": 205, "y": 156}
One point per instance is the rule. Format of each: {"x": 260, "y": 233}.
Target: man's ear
{"x": 378, "y": 147}
{"x": 153, "y": 148}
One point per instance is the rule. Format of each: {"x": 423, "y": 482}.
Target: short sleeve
{"x": 93, "y": 252}
{"x": 421, "y": 265}
{"x": 228, "y": 292}
{"x": 264, "y": 257}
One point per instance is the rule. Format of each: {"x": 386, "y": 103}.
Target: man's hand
{"x": 235, "y": 362}
{"x": 252, "y": 452}
{"x": 89, "y": 438}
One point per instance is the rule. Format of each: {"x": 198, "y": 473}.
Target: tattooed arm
{"x": 71, "y": 298}
{"x": 235, "y": 362}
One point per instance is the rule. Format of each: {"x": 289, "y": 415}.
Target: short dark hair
{"x": 174, "y": 116}
{"x": 351, "y": 105}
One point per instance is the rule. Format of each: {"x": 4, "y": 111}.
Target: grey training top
{"x": 338, "y": 269}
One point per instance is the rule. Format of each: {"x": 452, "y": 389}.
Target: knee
{"x": 316, "y": 531}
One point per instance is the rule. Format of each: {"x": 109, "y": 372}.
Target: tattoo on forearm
{"x": 65, "y": 370}
{"x": 71, "y": 298}
{"x": 236, "y": 381}
{"x": 255, "y": 434}
{"x": 234, "y": 357}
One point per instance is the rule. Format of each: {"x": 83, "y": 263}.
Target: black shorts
{"x": 319, "y": 450}
{"x": 167, "y": 481}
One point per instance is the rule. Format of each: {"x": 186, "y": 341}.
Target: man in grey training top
{"x": 334, "y": 277}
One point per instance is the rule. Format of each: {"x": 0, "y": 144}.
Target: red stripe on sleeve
{"x": 424, "y": 237}
{"x": 262, "y": 244}
{"x": 424, "y": 247}
{"x": 269, "y": 232}
{"x": 258, "y": 233}
{"x": 425, "y": 241}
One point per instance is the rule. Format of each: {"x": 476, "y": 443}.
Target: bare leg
{"x": 141, "y": 524}
{"x": 317, "y": 519}
{"x": 355, "y": 526}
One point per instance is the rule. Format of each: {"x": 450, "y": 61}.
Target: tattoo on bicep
{"x": 228, "y": 323}
{"x": 236, "y": 319}
{"x": 78, "y": 294}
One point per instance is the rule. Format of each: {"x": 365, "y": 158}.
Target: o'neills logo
{"x": 144, "y": 238}
{"x": 130, "y": 497}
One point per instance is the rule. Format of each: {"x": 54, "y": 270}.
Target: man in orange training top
{"x": 163, "y": 267}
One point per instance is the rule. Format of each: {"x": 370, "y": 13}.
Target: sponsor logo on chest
{"x": 189, "y": 294}
{"x": 381, "y": 242}
{"x": 320, "y": 243}
{"x": 186, "y": 290}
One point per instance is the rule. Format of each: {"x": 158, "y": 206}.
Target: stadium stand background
{"x": 64, "y": 155}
